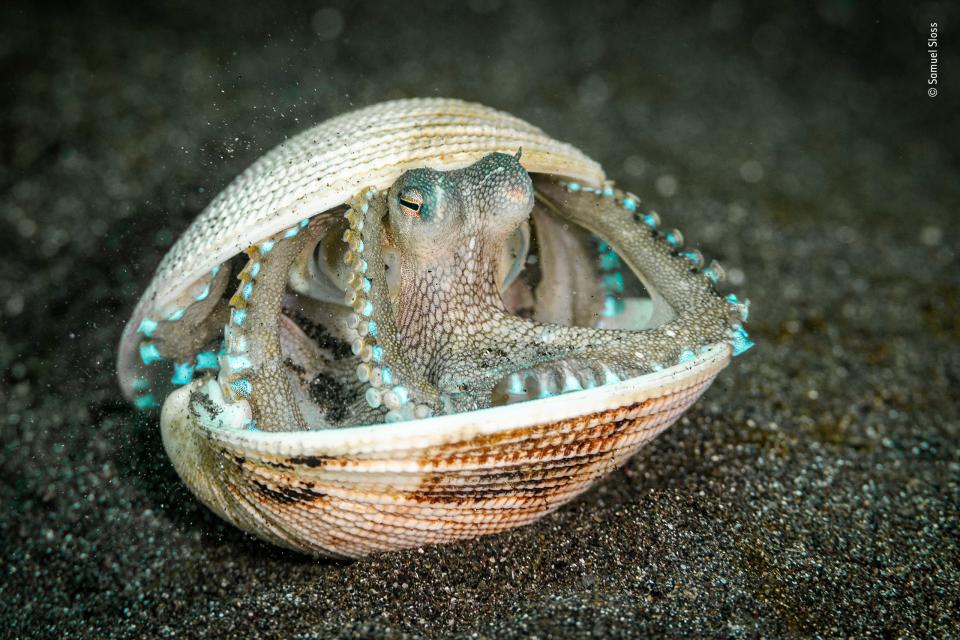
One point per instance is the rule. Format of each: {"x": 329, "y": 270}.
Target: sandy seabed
{"x": 812, "y": 492}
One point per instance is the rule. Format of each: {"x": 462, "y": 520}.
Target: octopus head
{"x": 444, "y": 217}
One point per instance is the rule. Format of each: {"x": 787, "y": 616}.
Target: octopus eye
{"x": 411, "y": 202}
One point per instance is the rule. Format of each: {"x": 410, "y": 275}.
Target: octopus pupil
{"x": 410, "y": 205}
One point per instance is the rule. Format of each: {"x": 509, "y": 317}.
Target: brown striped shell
{"x": 354, "y": 491}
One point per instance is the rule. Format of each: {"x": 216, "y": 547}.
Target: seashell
{"x": 419, "y": 322}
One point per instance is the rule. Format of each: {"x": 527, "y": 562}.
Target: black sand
{"x": 815, "y": 489}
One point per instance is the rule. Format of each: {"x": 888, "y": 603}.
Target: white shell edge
{"x": 440, "y": 430}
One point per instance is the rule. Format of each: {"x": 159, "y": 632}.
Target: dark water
{"x": 815, "y": 489}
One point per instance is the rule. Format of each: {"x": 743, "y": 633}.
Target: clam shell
{"x": 361, "y": 490}
{"x": 355, "y": 491}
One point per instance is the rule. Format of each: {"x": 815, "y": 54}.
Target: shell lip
{"x": 441, "y": 430}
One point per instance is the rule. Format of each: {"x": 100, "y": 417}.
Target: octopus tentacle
{"x": 671, "y": 273}
{"x": 395, "y": 384}
{"x": 656, "y": 257}
{"x": 691, "y": 313}
{"x": 183, "y": 333}
{"x": 252, "y": 365}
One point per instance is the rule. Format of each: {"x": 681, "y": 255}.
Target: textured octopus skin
{"x": 439, "y": 186}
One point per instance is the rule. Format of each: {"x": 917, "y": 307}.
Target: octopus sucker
{"x": 430, "y": 306}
